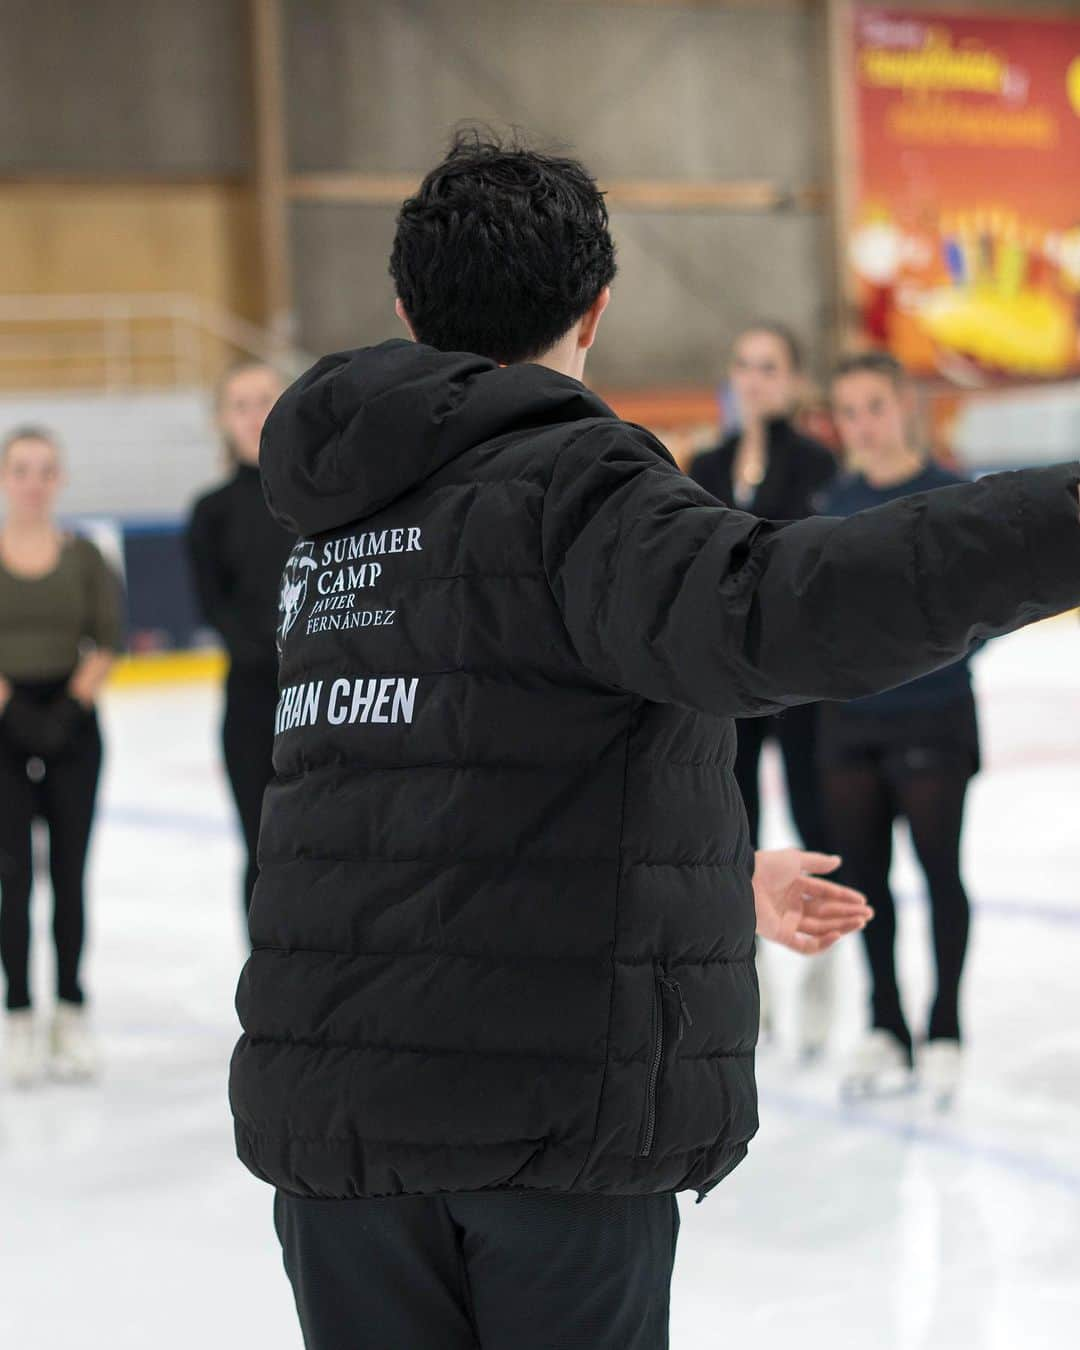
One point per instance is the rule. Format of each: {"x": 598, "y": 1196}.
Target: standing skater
{"x": 501, "y": 1003}
{"x": 769, "y": 468}
{"x": 59, "y": 630}
{"x": 909, "y": 753}
{"x": 237, "y": 552}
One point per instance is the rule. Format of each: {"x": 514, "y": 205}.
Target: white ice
{"x": 126, "y": 1223}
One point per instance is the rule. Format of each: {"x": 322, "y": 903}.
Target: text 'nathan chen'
{"x": 331, "y": 575}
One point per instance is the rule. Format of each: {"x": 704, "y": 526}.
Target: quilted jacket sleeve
{"x": 672, "y": 597}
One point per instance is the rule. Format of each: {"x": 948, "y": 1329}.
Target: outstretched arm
{"x": 670, "y": 596}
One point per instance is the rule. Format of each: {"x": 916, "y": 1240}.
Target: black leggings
{"x": 64, "y": 797}
{"x": 796, "y": 731}
{"x": 248, "y": 739}
{"x": 863, "y": 797}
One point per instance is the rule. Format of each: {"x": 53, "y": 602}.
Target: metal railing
{"x": 121, "y": 342}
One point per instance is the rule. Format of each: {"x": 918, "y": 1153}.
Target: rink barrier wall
{"x": 154, "y": 668}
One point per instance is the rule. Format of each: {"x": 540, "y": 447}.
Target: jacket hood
{"x": 361, "y": 428}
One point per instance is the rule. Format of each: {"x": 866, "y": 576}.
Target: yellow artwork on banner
{"x": 965, "y": 243}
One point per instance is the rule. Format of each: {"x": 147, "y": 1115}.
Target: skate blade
{"x": 71, "y": 1073}
{"x": 943, "y": 1099}
{"x": 866, "y": 1087}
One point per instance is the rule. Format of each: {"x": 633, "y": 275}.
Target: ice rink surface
{"x": 126, "y": 1223}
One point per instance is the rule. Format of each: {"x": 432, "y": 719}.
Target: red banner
{"x": 965, "y": 241}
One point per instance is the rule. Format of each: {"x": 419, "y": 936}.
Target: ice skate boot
{"x": 73, "y": 1052}
{"x": 22, "y": 1049}
{"x": 940, "y": 1066}
{"x": 880, "y": 1067}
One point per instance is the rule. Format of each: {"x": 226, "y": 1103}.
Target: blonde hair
{"x": 241, "y": 367}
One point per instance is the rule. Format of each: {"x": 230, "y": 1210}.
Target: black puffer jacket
{"x": 503, "y": 930}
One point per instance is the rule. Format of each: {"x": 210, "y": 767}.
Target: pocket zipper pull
{"x": 685, "y": 1020}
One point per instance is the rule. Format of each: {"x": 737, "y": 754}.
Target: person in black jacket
{"x": 237, "y": 553}
{"x": 768, "y": 467}
{"x": 910, "y": 752}
{"x": 501, "y": 1003}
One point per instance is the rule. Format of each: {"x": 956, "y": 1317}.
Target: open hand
{"x": 797, "y": 908}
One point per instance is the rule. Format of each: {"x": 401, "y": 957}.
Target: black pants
{"x": 248, "y": 738}
{"x": 918, "y": 767}
{"x": 515, "y": 1270}
{"x": 796, "y": 731}
{"x": 63, "y": 795}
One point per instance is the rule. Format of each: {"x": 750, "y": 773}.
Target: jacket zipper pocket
{"x": 656, "y": 1063}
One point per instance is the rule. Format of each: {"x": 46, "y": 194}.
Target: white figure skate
{"x": 880, "y": 1067}
{"x": 22, "y": 1049}
{"x": 73, "y": 1052}
{"x": 939, "y": 1066}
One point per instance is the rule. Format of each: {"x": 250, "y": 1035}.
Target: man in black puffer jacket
{"x": 501, "y": 1002}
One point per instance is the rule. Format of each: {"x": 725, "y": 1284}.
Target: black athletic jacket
{"x": 237, "y": 552}
{"x": 798, "y": 470}
{"x": 503, "y": 931}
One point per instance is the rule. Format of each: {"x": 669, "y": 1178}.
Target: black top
{"x": 797, "y": 471}
{"x": 237, "y": 554}
{"x": 951, "y": 683}
{"x": 503, "y": 931}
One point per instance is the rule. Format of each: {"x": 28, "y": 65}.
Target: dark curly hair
{"x": 501, "y": 250}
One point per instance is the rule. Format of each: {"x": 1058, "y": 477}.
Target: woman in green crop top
{"x": 59, "y": 628}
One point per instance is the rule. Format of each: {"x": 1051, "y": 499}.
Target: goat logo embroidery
{"x": 294, "y": 589}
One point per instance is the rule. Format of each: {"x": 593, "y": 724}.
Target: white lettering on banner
{"x": 382, "y": 700}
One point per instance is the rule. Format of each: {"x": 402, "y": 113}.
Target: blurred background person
{"x": 906, "y": 754}
{"x": 238, "y": 552}
{"x": 59, "y": 630}
{"x": 768, "y": 467}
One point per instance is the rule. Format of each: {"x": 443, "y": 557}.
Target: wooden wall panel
{"x": 65, "y": 238}
{"x": 196, "y": 240}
